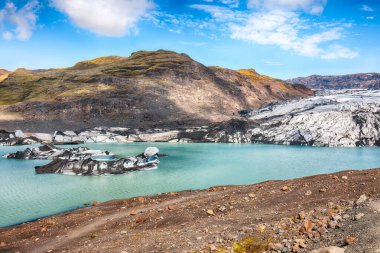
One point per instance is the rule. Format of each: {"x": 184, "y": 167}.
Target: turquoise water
{"x": 26, "y": 196}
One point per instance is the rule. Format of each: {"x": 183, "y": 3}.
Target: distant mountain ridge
{"x": 351, "y": 81}
{"x": 146, "y": 89}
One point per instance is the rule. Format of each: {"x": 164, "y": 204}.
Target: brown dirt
{"x": 248, "y": 218}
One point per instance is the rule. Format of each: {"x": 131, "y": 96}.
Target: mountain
{"x": 146, "y": 89}
{"x": 354, "y": 81}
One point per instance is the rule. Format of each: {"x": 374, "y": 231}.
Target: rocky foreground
{"x": 327, "y": 213}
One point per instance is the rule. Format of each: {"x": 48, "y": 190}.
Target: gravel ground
{"x": 340, "y": 211}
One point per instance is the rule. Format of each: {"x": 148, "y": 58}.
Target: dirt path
{"x": 95, "y": 225}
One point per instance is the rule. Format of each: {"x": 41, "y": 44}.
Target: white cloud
{"x": 113, "y": 18}
{"x": 284, "y": 29}
{"x": 7, "y": 35}
{"x": 366, "y": 8}
{"x": 231, "y": 3}
{"x": 370, "y": 17}
{"x": 22, "y": 21}
{"x": 220, "y": 13}
{"x": 310, "y": 6}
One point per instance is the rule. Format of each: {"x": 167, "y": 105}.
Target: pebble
{"x": 213, "y": 247}
{"x": 359, "y": 216}
{"x": 344, "y": 177}
{"x": 322, "y": 190}
{"x": 361, "y": 199}
{"x": 332, "y": 224}
{"x": 302, "y": 215}
{"x": 308, "y": 193}
{"x": 210, "y": 212}
{"x": 349, "y": 240}
{"x": 285, "y": 188}
{"x": 123, "y": 232}
{"x": 331, "y": 249}
{"x": 252, "y": 195}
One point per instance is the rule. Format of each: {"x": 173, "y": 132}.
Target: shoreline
{"x": 183, "y": 207}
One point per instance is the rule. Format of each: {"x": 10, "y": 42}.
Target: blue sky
{"x": 280, "y": 38}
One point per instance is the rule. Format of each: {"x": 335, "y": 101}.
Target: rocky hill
{"x": 147, "y": 89}
{"x": 354, "y": 81}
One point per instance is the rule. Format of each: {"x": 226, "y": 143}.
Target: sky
{"x": 279, "y": 38}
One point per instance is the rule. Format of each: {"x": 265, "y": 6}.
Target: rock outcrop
{"x": 354, "y": 81}
{"x": 91, "y": 167}
{"x": 51, "y": 152}
{"x": 149, "y": 89}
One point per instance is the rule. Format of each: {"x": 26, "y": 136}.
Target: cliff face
{"x": 355, "y": 81}
{"x": 147, "y": 89}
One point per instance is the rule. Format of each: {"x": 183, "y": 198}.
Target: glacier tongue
{"x": 331, "y": 118}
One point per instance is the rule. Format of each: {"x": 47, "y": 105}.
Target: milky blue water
{"x": 26, "y": 196}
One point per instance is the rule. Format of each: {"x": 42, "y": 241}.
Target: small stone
{"x": 210, "y": 212}
{"x": 199, "y": 238}
{"x": 359, "y": 216}
{"x": 222, "y": 208}
{"x": 140, "y": 219}
{"x": 170, "y": 207}
{"x": 260, "y": 228}
{"x": 345, "y": 216}
{"x": 337, "y": 217}
{"x": 308, "y": 225}
{"x": 302, "y": 215}
{"x": 301, "y": 243}
{"x": 251, "y": 195}
{"x": 43, "y": 229}
{"x": 349, "y": 240}
{"x": 322, "y": 190}
{"x": 308, "y": 193}
{"x": 285, "y": 188}
{"x": 296, "y": 248}
{"x": 133, "y": 212}
{"x": 361, "y": 199}
{"x": 344, "y": 177}
{"x": 332, "y": 224}
{"x": 3, "y": 244}
{"x": 331, "y": 249}
{"x": 213, "y": 247}
{"x": 123, "y": 232}
{"x": 95, "y": 203}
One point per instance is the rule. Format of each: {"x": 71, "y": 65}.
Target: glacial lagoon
{"x": 25, "y": 196}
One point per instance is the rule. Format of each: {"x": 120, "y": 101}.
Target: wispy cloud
{"x": 284, "y": 24}
{"x": 113, "y": 18}
{"x": 19, "y": 23}
{"x": 310, "y": 6}
{"x": 366, "y": 8}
